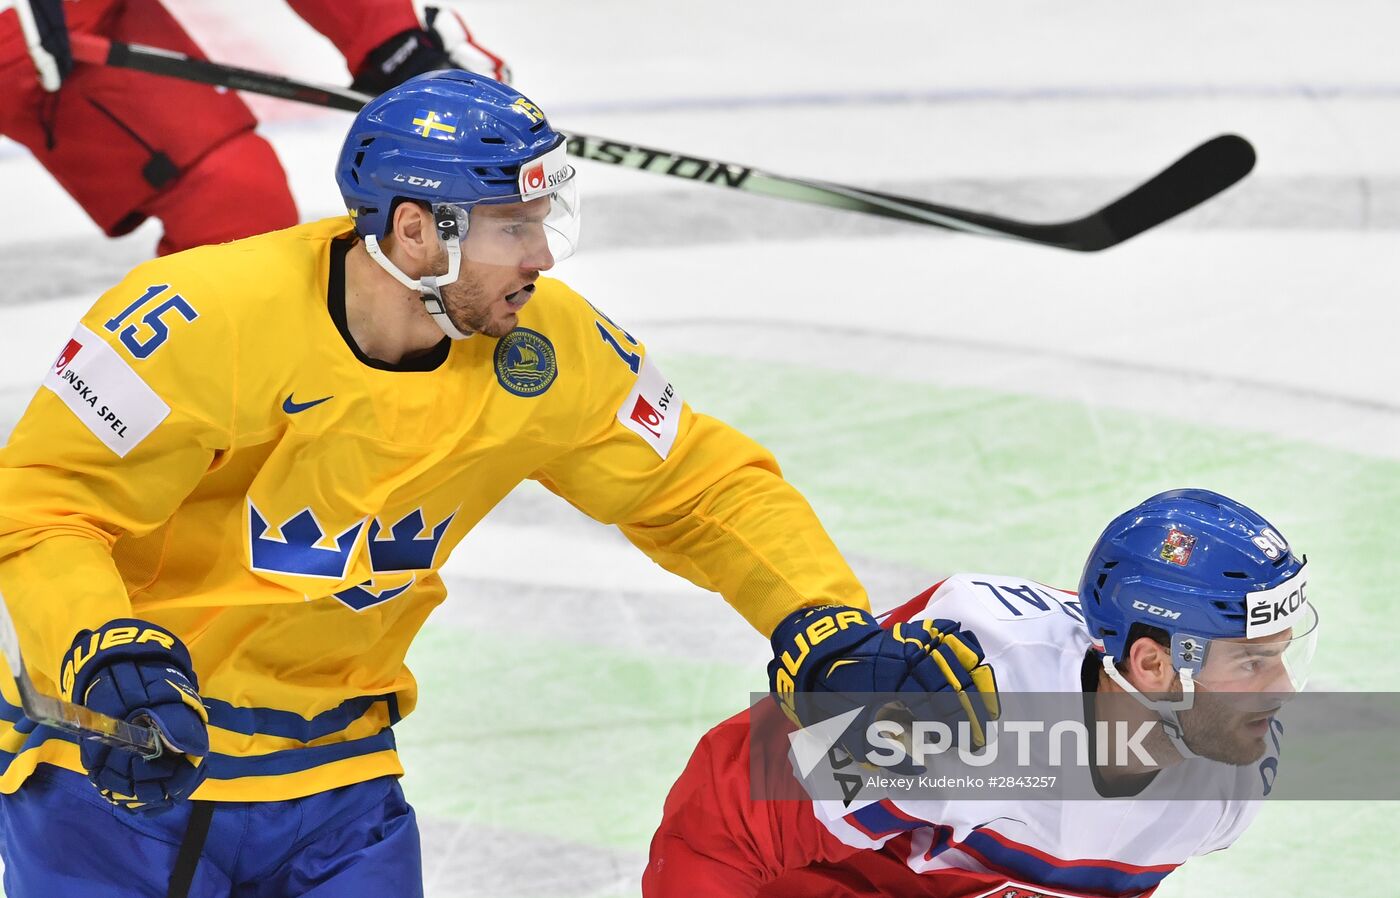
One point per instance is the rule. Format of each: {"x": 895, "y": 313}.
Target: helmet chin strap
{"x": 429, "y": 286}
{"x": 1171, "y": 724}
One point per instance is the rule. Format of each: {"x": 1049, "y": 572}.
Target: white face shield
{"x": 1278, "y": 662}
{"x": 531, "y": 230}
{"x": 531, "y": 234}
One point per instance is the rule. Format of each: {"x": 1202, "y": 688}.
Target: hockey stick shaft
{"x": 91, "y": 48}
{"x": 1191, "y": 180}
{"x": 1194, "y": 178}
{"x": 67, "y": 716}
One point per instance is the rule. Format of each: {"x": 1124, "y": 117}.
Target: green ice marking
{"x": 945, "y": 479}
{"x": 556, "y": 735}
{"x": 967, "y": 479}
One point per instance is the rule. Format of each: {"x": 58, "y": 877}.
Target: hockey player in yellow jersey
{"x": 224, "y": 510}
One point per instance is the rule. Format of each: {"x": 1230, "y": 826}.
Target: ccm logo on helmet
{"x": 1158, "y": 610}
{"x": 417, "y": 181}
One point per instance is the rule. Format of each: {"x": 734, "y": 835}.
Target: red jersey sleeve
{"x": 715, "y": 840}
{"x": 357, "y": 26}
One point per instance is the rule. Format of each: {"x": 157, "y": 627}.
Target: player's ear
{"x": 1150, "y": 666}
{"x": 414, "y": 234}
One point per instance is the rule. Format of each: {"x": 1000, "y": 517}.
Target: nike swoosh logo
{"x": 291, "y": 407}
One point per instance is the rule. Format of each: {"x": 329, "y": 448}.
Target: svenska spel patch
{"x": 541, "y": 176}
{"x": 653, "y": 409}
{"x": 106, "y": 394}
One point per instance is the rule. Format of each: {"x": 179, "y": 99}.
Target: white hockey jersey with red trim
{"x": 1035, "y": 639}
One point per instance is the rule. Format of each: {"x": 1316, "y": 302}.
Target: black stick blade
{"x": 1185, "y": 184}
{"x": 1194, "y": 178}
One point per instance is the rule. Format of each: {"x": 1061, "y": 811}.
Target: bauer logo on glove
{"x": 135, "y": 671}
{"x": 828, "y": 660}
{"x": 109, "y": 637}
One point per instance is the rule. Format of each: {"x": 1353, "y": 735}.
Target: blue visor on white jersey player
{"x": 1274, "y": 662}
{"x": 1273, "y": 654}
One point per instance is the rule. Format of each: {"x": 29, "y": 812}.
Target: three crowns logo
{"x": 299, "y": 547}
{"x": 403, "y": 549}
{"x": 296, "y": 551}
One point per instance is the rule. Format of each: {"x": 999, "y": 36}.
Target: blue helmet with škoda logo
{"x": 1197, "y": 565}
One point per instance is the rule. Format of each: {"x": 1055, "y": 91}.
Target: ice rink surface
{"x": 947, "y": 403}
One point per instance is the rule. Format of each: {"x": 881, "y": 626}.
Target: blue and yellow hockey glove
{"x": 136, "y": 671}
{"x": 823, "y": 654}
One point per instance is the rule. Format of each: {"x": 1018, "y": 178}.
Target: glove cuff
{"x": 813, "y": 632}
{"x": 122, "y": 639}
{"x": 408, "y": 53}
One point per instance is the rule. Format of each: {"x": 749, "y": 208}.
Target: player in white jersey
{"x": 1192, "y": 621}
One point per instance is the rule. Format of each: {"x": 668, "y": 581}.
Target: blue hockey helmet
{"x": 458, "y": 141}
{"x": 1210, "y": 572}
{"x": 448, "y": 136}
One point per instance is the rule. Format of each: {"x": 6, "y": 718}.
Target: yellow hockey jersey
{"x": 211, "y": 452}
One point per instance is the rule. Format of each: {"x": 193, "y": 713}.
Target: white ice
{"x": 1286, "y": 289}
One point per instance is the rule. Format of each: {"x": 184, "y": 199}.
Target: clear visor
{"x": 534, "y": 234}
{"x": 1276, "y": 663}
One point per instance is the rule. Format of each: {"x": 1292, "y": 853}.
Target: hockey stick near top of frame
{"x": 1191, "y": 180}
{"x": 67, "y": 716}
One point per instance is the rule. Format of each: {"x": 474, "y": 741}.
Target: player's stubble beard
{"x": 1214, "y": 728}
{"x": 470, "y": 309}
{"x": 470, "y": 306}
